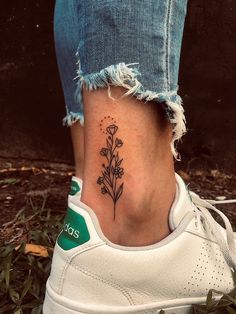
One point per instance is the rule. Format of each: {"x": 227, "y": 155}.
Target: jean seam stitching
{"x": 167, "y": 44}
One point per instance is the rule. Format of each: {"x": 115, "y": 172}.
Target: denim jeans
{"x": 131, "y": 43}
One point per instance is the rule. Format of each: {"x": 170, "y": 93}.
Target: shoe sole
{"x": 57, "y": 304}
{"x": 51, "y": 307}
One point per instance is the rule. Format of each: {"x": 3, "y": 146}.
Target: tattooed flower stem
{"x": 114, "y": 211}
{"x": 113, "y": 170}
{"x": 111, "y": 154}
{"x": 106, "y": 179}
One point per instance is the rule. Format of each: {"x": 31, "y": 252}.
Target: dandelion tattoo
{"x": 112, "y": 170}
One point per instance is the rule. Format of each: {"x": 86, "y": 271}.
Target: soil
{"x": 24, "y": 186}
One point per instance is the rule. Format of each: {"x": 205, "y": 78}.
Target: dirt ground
{"x": 25, "y": 186}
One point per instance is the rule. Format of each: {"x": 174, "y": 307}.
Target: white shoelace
{"x": 228, "y": 245}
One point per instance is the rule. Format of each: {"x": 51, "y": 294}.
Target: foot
{"x": 92, "y": 275}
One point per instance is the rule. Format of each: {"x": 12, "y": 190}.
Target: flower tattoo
{"x": 112, "y": 129}
{"x": 100, "y": 180}
{"x": 104, "y": 151}
{"x": 112, "y": 169}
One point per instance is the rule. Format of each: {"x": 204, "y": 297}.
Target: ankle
{"x": 141, "y": 216}
{"x": 148, "y": 196}
{"x": 128, "y": 171}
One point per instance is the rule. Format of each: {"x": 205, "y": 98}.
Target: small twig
{"x": 6, "y": 224}
{"x": 27, "y": 219}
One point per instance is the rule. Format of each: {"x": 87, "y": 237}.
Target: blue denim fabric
{"x": 130, "y": 43}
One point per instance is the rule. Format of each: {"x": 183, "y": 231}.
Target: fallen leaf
{"x": 35, "y": 249}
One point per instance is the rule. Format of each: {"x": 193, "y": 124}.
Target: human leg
{"x": 139, "y": 215}
{"x": 77, "y": 136}
{"x": 66, "y": 43}
{"x": 132, "y": 208}
{"x": 151, "y": 99}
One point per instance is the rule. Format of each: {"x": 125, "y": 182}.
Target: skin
{"x": 141, "y": 212}
{"x": 77, "y": 136}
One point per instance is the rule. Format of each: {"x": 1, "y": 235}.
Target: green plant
{"x": 22, "y": 280}
{"x": 23, "y": 276}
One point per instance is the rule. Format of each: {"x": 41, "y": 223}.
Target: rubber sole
{"x": 51, "y": 307}
{"x": 55, "y": 304}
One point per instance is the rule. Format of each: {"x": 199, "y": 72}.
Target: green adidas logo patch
{"x": 75, "y": 231}
{"x": 74, "y": 188}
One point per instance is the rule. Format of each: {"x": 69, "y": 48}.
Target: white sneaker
{"x": 92, "y": 275}
{"x": 75, "y": 189}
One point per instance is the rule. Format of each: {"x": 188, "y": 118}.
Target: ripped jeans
{"x": 131, "y": 43}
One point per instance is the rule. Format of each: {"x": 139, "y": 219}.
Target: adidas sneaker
{"x": 92, "y": 275}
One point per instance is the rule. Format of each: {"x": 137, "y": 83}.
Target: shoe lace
{"x": 226, "y": 244}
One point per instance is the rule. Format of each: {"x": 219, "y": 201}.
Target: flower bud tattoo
{"x": 112, "y": 170}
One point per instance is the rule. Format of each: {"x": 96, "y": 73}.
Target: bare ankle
{"x": 141, "y": 216}
{"x": 128, "y": 171}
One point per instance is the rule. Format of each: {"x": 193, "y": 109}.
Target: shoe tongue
{"x": 182, "y": 204}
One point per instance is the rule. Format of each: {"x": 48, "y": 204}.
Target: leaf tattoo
{"x": 112, "y": 168}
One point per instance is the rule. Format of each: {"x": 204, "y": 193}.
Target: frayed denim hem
{"x": 73, "y": 117}
{"x": 124, "y": 75}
